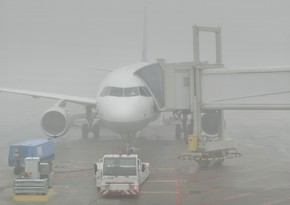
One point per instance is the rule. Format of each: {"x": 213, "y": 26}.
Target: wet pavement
{"x": 261, "y": 176}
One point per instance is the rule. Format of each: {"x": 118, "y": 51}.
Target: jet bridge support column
{"x": 196, "y": 102}
{"x": 196, "y": 89}
{"x": 209, "y": 147}
{"x": 196, "y": 85}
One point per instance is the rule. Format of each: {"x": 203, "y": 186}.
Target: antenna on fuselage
{"x": 144, "y": 49}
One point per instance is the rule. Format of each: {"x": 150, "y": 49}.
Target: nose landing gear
{"x": 127, "y": 144}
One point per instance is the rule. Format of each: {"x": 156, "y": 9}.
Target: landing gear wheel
{"x": 203, "y": 163}
{"x": 96, "y": 130}
{"x": 85, "y": 130}
{"x": 220, "y": 161}
{"x": 178, "y": 131}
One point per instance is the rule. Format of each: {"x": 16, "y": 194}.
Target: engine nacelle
{"x": 55, "y": 122}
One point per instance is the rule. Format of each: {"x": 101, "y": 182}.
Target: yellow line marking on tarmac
{"x": 33, "y": 197}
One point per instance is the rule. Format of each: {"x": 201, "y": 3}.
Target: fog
{"x": 41, "y": 41}
{"x": 67, "y": 34}
{"x": 51, "y": 45}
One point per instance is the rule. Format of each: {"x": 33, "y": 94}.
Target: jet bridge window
{"x": 130, "y": 92}
{"x": 117, "y": 92}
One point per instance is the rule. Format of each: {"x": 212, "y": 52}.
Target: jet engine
{"x": 55, "y": 122}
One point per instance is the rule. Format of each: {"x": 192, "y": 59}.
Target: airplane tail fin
{"x": 144, "y": 49}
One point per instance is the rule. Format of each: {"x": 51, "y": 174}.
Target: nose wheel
{"x": 128, "y": 142}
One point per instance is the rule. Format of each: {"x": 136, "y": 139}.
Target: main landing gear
{"x": 90, "y": 126}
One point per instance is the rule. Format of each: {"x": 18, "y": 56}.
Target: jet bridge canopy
{"x": 153, "y": 76}
{"x": 185, "y": 85}
{"x": 168, "y": 83}
{"x": 255, "y": 88}
{"x": 202, "y": 86}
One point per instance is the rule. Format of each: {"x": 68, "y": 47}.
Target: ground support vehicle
{"x": 198, "y": 93}
{"x": 35, "y": 183}
{"x": 42, "y": 148}
{"x": 209, "y": 151}
{"x": 119, "y": 174}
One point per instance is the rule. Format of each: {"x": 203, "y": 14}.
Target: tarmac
{"x": 260, "y": 177}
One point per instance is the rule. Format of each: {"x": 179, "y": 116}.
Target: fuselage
{"x": 124, "y": 103}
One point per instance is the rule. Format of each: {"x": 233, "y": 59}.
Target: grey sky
{"x": 45, "y": 34}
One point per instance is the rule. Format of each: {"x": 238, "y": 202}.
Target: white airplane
{"x": 124, "y": 104}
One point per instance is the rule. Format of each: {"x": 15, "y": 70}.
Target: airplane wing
{"x": 38, "y": 94}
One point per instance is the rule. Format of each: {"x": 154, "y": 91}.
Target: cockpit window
{"x": 105, "y": 91}
{"x": 129, "y": 92}
{"x": 125, "y": 92}
{"x": 117, "y": 92}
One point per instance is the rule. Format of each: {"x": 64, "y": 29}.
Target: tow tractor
{"x": 119, "y": 174}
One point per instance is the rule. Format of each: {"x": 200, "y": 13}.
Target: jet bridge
{"x": 200, "y": 91}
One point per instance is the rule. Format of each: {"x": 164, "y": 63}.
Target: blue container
{"x": 42, "y": 148}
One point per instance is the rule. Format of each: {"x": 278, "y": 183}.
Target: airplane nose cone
{"x": 121, "y": 110}
{"x": 125, "y": 115}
